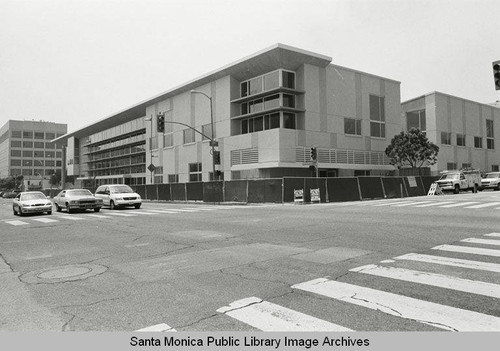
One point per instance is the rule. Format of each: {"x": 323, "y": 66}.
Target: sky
{"x": 77, "y": 62}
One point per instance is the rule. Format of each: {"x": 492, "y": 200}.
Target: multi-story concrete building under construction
{"x": 268, "y": 110}
{"x": 467, "y": 132}
{"x": 26, "y": 149}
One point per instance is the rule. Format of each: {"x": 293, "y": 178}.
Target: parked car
{"x": 31, "y": 202}
{"x": 491, "y": 181}
{"x": 118, "y": 195}
{"x": 460, "y": 180}
{"x": 76, "y": 199}
{"x": 9, "y": 195}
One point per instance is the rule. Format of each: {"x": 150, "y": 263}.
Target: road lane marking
{"x": 163, "y": 211}
{"x": 447, "y": 261}
{"x": 469, "y": 250}
{"x": 389, "y": 203}
{"x": 413, "y": 203}
{"x": 38, "y": 257}
{"x": 45, "y": 220}
{"x": 97, "y": 216}
{"x": 142, "y": 213}
{"x": 437, "y": 315}
{"x": 489, "y": 204}
{"x": 267, "y": 316}
{"x": 482, "y": 241}
{"x": 459, "y": 204}
{"x": 120, "y": 214}
{"x": 435, "y": 204}
{"x": 493, "y": 234}
{"x": 16, "y": 222}
{"x": 71, "y": 218}
{"x": 157, "y": 328}
{"x": 433, "y": 279}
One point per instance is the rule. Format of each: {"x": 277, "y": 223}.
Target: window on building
{"x": 271, "y": 102}
{"x": 460, "y": 139}
{"x": 15, "y": 171}
{"x": 168, "y": 140}
{"x": 195, "y": 174}
{"x": 377, "y": 116}
{"x": 15, "y": 143}
{"x": 27, "y": 134}
{"x": 173, "y": 178}
{"x": 27, "y": 172}
{"x": 495, "y": 168}
{"x": 16, "y": 134}
{"x": 466, "y": 165}
{"x": 49, "y": 154}
{"x": 219, "y": 177}
{"x": 445, "y": 138}
{"x": 49, "y": 163}
{"x": 28, "y": 163}
{"x": 38, "y": 154}
{"x": 451, "y": 166}
{"x": 27, "y": 153}
{"x": 288, "y": 79}
{"x": 478, "y": 142}
{"x": 50, "y": 136}
{"x": 39, "y": 135}
{"x": 153, "y": 142}
{"x": 256, "y": 105}
{"x": 289, "y": 120}
{"x": 416, "y": 119}
{"x": 255, "y": 85}
{"x": 271, "y": 80}
{"x": 490, "y": 135}
{"x": 188, "y": 136}
{"x": 39, "y": 145}
{"x": 288, "y": 100}
{"x": 206, "y": 129}
{"x": 15, "y": 162}
{"x": 50, "y": 145}
{"x": 352, "y": 126}
{"x": 15, "y": 153}
{"x": 27, "y": 144}
{"x": 259, "y": 123}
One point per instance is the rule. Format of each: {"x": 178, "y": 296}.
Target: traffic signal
{"x": 314, "y": 154}
{"x": 496, "y": 74}
{"x": 161, "y": 122}
{"x": 217, "y": 157}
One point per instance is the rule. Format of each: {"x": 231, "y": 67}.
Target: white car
{"x": 77, "y": 199}
{"x": 118, "y": 195}
{"x": 491, "y": 181}
{"x": 31, "y": 202}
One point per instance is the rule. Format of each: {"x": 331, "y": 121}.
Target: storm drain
{"x": 63, "y": 273}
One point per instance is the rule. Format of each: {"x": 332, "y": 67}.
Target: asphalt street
{"x": 427, "y": 263}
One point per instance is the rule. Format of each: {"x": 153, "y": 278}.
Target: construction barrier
{"x": 236, "y": 191}
{"x": 213, "y": 191}
{"x": 343, "y": 189}
{"x": 265, "y": 190}
{"x": 289, "y": 186}
{"x": 164, "y": 192}
{"x": 178, "y": 191}
{"x": 394, "y": 187}
{"x": 371, "y": 187}
{"x": 194, "y": 191}
{"x": 315, "y": 183}
{"x": 152, "y": 192}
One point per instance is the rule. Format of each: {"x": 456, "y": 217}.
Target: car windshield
{"x": 34, "y": 196}
{"x": 121, "y": 189}
{"x": 493, "y": 175}
{"x": 449, "y": 176}
{"x": 78, "y": 193}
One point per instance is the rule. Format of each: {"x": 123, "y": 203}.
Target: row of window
{"x": 31, "y": 172}
{"x": 35, "y": 153}
{"x": 267, "y": 82}
{"x": 37, "y": 163}
{"x": 127, "y": 161}
{"x": 31, "y": 144}
{"x": 453, "y": 166}
{"x": 271, "y": 121}
{"x": 117, "y": 131}
{"x": 268, "y": 103}
{"x": 478, "y": 141}
{"x": 118, "y": 152}
{"x": 25, "y": 134}
{"x": 117, "y": 143}
{"x": 119, "y": 171}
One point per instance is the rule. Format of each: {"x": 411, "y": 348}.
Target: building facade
{"x": 467, "y": 132}
{"x": 26, "y": 149}
{"x": 265, "y": 112}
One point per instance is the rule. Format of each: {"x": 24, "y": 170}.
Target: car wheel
{"x": 457, "y": 189}
{"x": 498, "y": 187}
{"x": 49, "y": 212}
{"x": 137, "y": 205}
{"x": 58, "y": 209}
{"x": 112, "y": 205}
{"x": 14, "y": 210}
{"x": 68, "y": 209}
{"x": 97, "y": 209}
{"x": 19, "y": 211}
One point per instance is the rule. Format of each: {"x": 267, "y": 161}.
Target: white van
{"x": 118, "y": 195}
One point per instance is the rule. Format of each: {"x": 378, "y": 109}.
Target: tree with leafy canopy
{"x": 412, "y": 149}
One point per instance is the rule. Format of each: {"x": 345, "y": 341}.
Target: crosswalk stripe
{"x": 16, "y": 222}
{"x": 142, "y": 213}
{"x": 493, "y": 234}
{"x": 435, "y": 204}
{"x": 157, "y": 328}
{"x": 97, "y": 216}
{"x": 267, "y": 316}
{"x": 459, "y": 204}
{"x": 484, "y": 205}
{"x": 71, "y": 218}
{"x": 412, "y": 203}
{"x": 389, "y": 203}
{"x": 438, "y": 280}
{"x": 120, "y": 214}
{"x": 469, "y": 250}
{"x": 45, "y": 220}
{"x": 482, "y": 241}
{"x": 440, "y": 316}
{"x": 447, "y": 261}
{"x": 163, "y": 211}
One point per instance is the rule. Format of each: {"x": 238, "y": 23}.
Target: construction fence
{"x": 282, "y": 190}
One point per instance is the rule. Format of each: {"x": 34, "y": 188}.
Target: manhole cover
{"x": 63, "y": 273}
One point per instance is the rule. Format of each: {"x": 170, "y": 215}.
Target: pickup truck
{"x": 491, "y": 181}
{"x": 460, "y": 180}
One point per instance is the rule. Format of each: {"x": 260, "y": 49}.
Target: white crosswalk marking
{"x": 16, "y": 222}
{"x": 459, "y": 204}
{"x": 163, "y": 211}
{"x": 71, "y": 218}
{"x": 493, "y": 234}
{"x": 435, "y": 204}
{"x": 142, "y": 213}
{"x": 45, "y": 220}
{"x": 447, "y": 261}
{"x": 489, "y": 204}
{"x": 412, "y": 203}
{"x": 441, "y": 316}
{"x": 97, "y": 216}
{"x": 469, "y": 250}
{"x": 157, "y": 328}
{"x": 119, "y": 214}
{"x": 438, "y": 280}
{"x": 267, "y": 316}
{"x": 482, "y": 241}
{"x": 388, "y": 203}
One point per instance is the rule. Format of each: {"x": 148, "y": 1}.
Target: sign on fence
{"x": 315, "y": 197}
{"x": 298, "y": 196}
{"x": 412, "y": 181}
{"x": 435, "y": 190}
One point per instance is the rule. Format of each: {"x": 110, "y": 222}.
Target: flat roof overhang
{"x": 276, "y": 56}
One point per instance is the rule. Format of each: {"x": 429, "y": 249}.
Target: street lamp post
{"x": 151, "y": 147}
{"x": 212, "y": 141}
